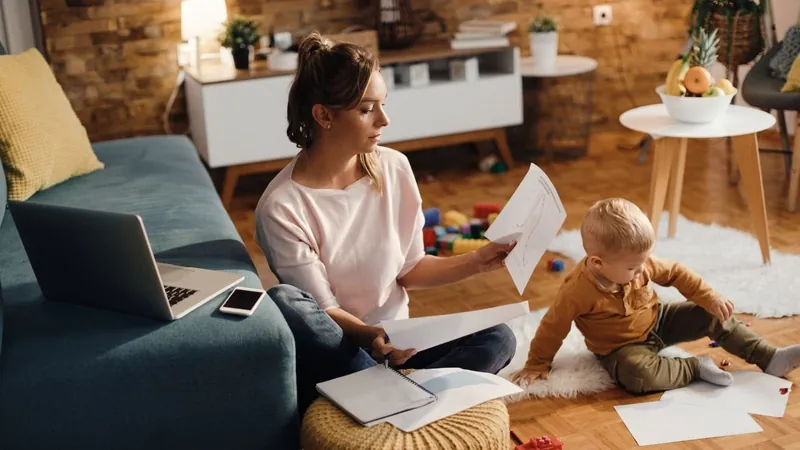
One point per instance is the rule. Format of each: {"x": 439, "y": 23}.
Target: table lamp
{"x": 201, "y": 22}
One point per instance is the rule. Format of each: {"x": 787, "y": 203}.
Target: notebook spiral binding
{"x": 403, "y": 376}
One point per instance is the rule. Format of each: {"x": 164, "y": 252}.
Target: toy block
{"x": 429, "y": 237}
{"x": 475, "y": 228}
{"x": 439, "y": 230}
{"x": 455, "y": 218}
{"x": 542, "y": 443}
{"x": 482, "y": 210}
{"x": 555, "y": 265}
{"x": 491, "y": 218}
{"x": 431, "y": 217}
{"x": 432, "y": 251}
{"x": 461, "y": 246}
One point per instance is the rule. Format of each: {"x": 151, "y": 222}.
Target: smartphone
{"x": 242, "y": 301}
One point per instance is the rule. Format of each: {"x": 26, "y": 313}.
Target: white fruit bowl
{"x": 695, "y": 109}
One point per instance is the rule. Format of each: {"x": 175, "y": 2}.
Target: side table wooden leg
{"x": 747, "y": 157}
{"x": 676, "y": 185}
{"x": 502, "y": 146}
{"x": 662, "y": 166}
{"x": 794, "y": 175}
{"x": 229, "y": 186}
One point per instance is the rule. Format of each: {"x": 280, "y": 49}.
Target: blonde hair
{"x": 614, "y": 226}
{"x": 335, "y": 75}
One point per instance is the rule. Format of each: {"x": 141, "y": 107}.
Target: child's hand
{"x": 528, "y": 376}
{"x": 722, "y": 308}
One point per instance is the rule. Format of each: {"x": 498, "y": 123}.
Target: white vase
{"x": 544, "y": 49}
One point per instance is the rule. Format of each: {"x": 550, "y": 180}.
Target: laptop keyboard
{"x": 177, "y": 294}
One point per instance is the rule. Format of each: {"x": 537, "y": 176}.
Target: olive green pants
{"x": 640, "y": 370}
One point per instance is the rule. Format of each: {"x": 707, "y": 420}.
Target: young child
{"x": 609, "y": 296}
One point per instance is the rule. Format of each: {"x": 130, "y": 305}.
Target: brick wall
{"x": 116, "y": 58}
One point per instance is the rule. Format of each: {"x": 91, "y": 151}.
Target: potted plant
{"x": 239, "y": 34}
{"x": 543, "y": 37}
{"x": 739, "y": 28}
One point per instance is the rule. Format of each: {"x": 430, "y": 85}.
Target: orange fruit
{"x": 697, "y": 80}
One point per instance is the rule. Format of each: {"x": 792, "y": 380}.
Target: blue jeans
{"x": 325, "y": 353}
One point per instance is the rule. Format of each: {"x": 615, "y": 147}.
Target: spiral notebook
{"x": 375, "y": 393}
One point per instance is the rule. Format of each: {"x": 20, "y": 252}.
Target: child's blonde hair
{"x": 614, "y": 226}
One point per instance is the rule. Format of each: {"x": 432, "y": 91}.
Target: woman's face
{"x": 360, "y": 128}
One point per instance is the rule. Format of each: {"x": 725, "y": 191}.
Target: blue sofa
{"x": 84, "y": 378}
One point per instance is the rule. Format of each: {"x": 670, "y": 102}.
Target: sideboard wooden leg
{"x": 501, "y": 141}
{"x": 229, "y": 186}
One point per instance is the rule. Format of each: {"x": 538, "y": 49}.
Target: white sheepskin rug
{"x": 728, "y": 259}
{"x": 576, "y": 371}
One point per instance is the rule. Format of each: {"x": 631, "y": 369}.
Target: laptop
{"x": 103, "y": 259}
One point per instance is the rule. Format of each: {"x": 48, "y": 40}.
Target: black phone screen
{"x": 242, "y": 299}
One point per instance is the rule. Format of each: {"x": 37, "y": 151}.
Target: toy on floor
{"x": 542, "y": 443}
{"x": 555, "y": 265}
{"x": 455, "y": 232}
{"x": 492, "y": 164}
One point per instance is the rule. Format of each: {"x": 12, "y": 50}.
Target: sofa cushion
{"x": 42, "y": 141}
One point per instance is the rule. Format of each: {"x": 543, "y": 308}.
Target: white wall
{"x": 786, "y": 14}
{"x": 19, "y": 35}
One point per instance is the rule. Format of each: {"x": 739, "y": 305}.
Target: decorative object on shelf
{"x": 464, "y": 69}
{"x": 413, "y": 75}
{"x": 239, "y": 35}
{"x": 543, "y": 37}
{"x": 739, "y": 23}
{"x": 399, "y": 26}
{"x": 690, "y": 92}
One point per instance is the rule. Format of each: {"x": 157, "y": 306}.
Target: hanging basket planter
{"x": 739, "y": 28}
{"x": 741, "y": 38}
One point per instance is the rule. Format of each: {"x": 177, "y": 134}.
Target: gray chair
{"x": 761, "y": 89}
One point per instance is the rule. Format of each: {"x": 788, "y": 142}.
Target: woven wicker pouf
{"x": 482, "y": 427}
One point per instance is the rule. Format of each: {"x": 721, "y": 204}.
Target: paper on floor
{"x": 422, "y": 333}
{"x": 754, "y": 392}
{"x": 533, "y": 216}
{"x": 457, "y": 390}
{"x": 669, "y": 421}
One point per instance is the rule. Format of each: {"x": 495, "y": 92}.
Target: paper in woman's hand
{"x": 533, "y": 216}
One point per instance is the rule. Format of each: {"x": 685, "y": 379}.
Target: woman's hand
{"x": 380, "y": 349}
{"x": 492, "y": 256}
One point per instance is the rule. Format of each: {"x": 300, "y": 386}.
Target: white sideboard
{"x": 238, "y": 118}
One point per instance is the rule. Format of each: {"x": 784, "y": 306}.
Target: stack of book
{"x": 482, "y": 33}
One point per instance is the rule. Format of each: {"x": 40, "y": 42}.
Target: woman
{"x": 341, "y": 227}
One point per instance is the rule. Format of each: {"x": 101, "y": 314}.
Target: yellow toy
{"x": 454, "y": 218}
{"x": 461, "y": 246}
{"x": 491, "y": 217}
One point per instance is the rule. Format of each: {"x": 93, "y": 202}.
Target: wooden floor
{"x": 590, "y": 422}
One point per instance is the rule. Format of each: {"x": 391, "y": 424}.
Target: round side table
{"x": 671, "y": 140}
{"x": 557, "y": 107}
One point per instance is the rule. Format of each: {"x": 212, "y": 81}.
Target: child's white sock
{"x": 713, "y": 374}
{"x": 784, "y": 361}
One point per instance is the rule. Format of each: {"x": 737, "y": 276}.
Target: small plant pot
{"x": 241, "y": 58}
{"x": 544, "y": 49}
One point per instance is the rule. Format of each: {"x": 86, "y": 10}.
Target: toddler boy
{"x": 609, "y": 296}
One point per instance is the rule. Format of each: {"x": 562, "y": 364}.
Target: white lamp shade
{"x": 202, "y": 18}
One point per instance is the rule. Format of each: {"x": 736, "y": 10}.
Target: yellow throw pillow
{"x": 42, "y": 141}
{"x": 793, "y": 78}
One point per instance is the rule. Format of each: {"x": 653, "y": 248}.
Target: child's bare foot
{"x": 784, "y": 361}
{"x": 713, "y": 374}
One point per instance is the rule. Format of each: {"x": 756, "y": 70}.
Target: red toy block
{"x": 482, "y": 210}
{"x": 542, "y": 443}
{"x": 429, "y": 237}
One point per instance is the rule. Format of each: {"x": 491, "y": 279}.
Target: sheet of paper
{"x": 668, "y": 421}
{"x": 425, "y": 332}
{"x": 754, "y": 392}
{"x": 457, "y": 390}
{"x": 533, "y": 216}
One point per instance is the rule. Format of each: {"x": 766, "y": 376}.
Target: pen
{"x": 386, "y": 357}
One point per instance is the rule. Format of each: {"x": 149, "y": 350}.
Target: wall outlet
{"x": 602, "y": 15}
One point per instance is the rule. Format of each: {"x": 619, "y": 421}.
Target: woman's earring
{"x": 328, "y": 126}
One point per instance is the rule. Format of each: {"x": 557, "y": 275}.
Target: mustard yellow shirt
{"x": 610, "y": 320}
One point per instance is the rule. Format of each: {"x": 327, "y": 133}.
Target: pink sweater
{"x": 347, "y": 247}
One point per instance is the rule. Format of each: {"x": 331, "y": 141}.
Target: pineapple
{"x": 704, "y": 51}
